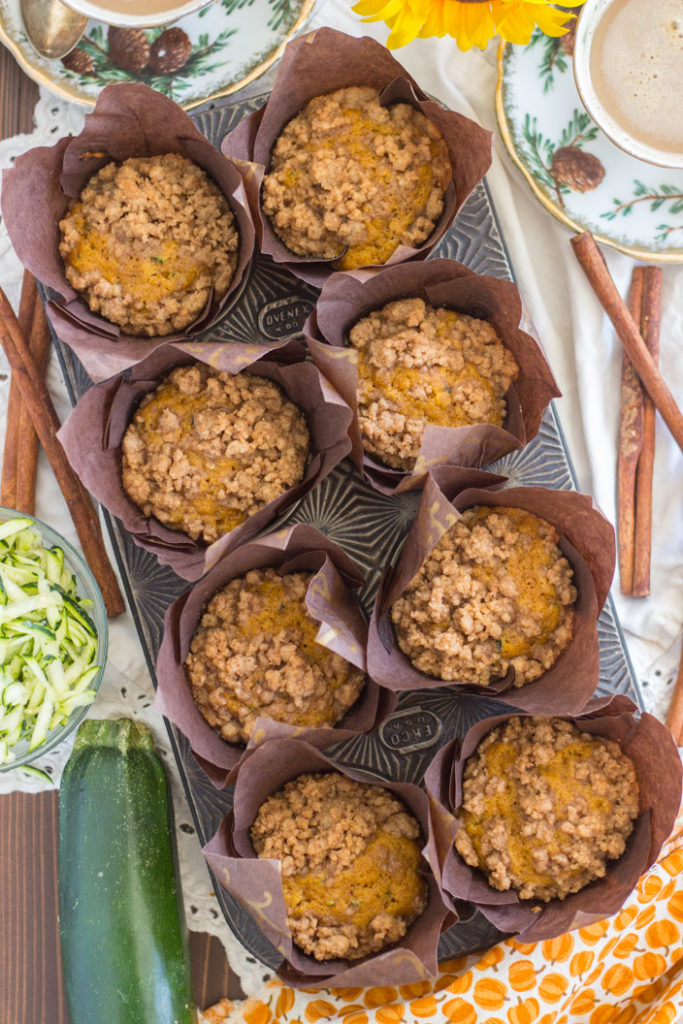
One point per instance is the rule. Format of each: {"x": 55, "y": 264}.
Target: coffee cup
{"x": 628, "y": 66}
{"x": 137, "y": 13}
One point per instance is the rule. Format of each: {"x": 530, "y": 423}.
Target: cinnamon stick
{"x": 10, "y": 458}
{"x": 674, "y": 718}
{"x": 46, "y": 422}
{"x": 649, "y": 328}
{"x": 28, "y": 443}
{"x": 595, "y": 269}
{"x": 630, "y": 446}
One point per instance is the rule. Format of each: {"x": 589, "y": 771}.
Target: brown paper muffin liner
{"x": 331, "y": 603}
{"x": 326, "y": 60}
{"x": 258, "y": 887}
{"x": 658, "y": 768}
{"x": 347, "y": 298}
{"x": 93, "y": 432}
{"x": 586, "y": 540}
{"x": 129, "y": 120}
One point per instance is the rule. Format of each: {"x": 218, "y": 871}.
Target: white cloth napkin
{"x": 583, "y": 352}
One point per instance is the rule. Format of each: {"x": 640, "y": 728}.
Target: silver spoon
{"x": 53, "y": 28}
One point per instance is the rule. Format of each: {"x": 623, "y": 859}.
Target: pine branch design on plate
{"x": 656, "y": 197}
{"x": 230, "y": 6}
{"x": 281, "y": 10}
{"x": 553, "y": 60}
{"x": 664, "y": 230}
{"x": 579, "y": 130}
{"x": 539, "y": 152}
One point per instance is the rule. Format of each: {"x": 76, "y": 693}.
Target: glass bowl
{"x": 86, "y": 588}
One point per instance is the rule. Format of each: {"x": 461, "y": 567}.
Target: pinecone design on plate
{"x": 170, "y": 51}
{"x": 578, "y": 170}
{"x": 129, "y": 48}
{"x": 78, "y": 61}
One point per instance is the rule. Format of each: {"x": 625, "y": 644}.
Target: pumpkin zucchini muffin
{"x": 254, "y": 653}
{"x": 352, "y": 180}
{"x": 495, "y": 593}
{"x": 418, "y": 365}
{"x": 545, "y": 807}
{"x": 350, "y": 856}
{"x": 149, "y": 243}
{"x": 205, "y": 450}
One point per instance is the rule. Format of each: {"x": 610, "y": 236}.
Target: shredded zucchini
{"x": 48, "y": 642}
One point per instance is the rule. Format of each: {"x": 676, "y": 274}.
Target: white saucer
{"x": 223, "y": 47}
{"x": 581, "y": 177}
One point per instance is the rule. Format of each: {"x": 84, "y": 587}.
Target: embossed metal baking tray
{"x": 371, "y": 528}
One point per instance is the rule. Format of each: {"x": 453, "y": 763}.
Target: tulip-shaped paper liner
{"x": 586, "y": 539}
{"x": 347, "y": 298}
{"x": 93, "y": 433}
{"x": 322, "y": 62}
{"x": 129, "y": 120}
{"x": 329, "y": 601}
{"x": 257, "y": 884}
{"x": 658, "y": 769}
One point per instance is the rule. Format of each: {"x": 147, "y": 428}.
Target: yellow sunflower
{"x": 469, "y": 22}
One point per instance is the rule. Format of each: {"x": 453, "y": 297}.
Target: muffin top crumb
{"x": 351, "y": 180}
{"x": 545, "y": 807}
{"x": 255, "y": 653}
{"x": 149, "y": 243}
{"x": 350, "y": 855}
{"x": 495, "y": 593}
{"x": 418, "y": 364}
{"x": 205, "y": 450}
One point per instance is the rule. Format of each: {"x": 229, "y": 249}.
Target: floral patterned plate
{"x": 586, "y": 181}
{"x": 211, "y": 53}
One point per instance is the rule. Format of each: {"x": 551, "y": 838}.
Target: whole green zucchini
{"x": 123, "y": 938}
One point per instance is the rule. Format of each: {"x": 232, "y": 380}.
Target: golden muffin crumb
{"x": 495, "y": 593}
{"x": 350, "y": 855}
{"x": 205, "y": 450}
{"x": 418, "y": 365}
{"x": 545, "y": 807}
{"x": 254, "y": 653}
{"x": 149, "y": 242}
{"x": 352, "y": 179}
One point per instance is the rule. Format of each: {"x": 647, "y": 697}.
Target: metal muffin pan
{"x": 371, "y": 529}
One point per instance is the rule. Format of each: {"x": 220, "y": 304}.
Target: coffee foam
{"x": 636, "y": 63}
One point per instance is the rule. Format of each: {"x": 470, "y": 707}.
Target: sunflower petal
{"x": 455, "y": 24}
{"x": 367, "y": 8}
{"x": 553, "y": 22}
{"x": 481, "y": 27}
{"x": 433, "y": 24}
{"x": 406, "y": 26}
{"x": 516, "y": 25}
{"x": 380, "y": 10}
{"x": 469, "y": 23}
